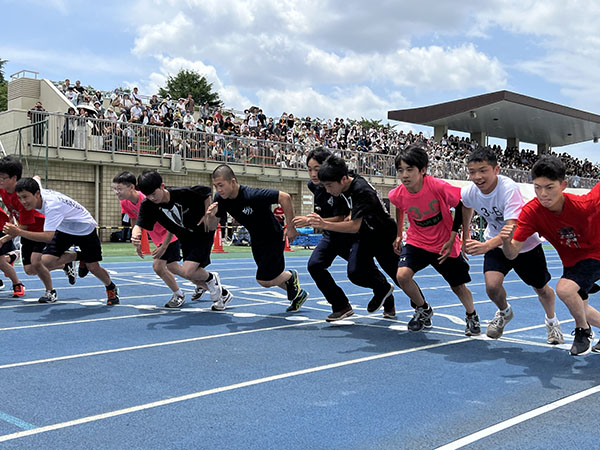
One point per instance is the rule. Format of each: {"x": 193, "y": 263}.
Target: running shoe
{"x": 298, "y": 301}
{"x": 389, "y": 309}
{"x": 555, "y": 336}
{"x": 198, "y": 293}
{"x": 596, "y": 348}
{"x": 582, "y": 342}
{"x": 112, "y": 296}
{"x": 496, "y": 326}
{"x": 18, "y": 290}
{"x": 473, "y": 327}
{"x": 377, "y": 301}
{"x": 176, "y": 301}
{"x": 69, "y": 270}
{"x": 293, "y": 286}
{"x": 83, "y": 270}
{"x": 222, "y": 303}
{"x": 49, "y": 297}
{"x": 340, "y": 315}
{"x": 214, "y": 287}
{"x": 421, "y": 319}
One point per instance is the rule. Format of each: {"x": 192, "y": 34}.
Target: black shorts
{"x": 28, "y": 247}
{"x": 585, "y": 273}
{"x": 8, "y": 246}
{"x": 172, "y": 253}
{"x": 89, "y": 244}
{"x": 269, "y": 259}
{"x": 530, "y": 266}
{"x": 196, "y": 251}
{"x": 454, "y": 270}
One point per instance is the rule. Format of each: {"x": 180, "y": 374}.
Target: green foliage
{"x": 370, "y": 123}
{"x": 3, "y": 87}
{"x": 190, "y": 82}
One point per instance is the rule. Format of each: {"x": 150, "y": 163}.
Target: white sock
{"x": 507, "y": 310}
{"x": 179, "y": 292}
{"x": 552, "y": 321}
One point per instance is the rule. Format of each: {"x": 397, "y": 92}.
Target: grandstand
{"x": 79, "y": 140}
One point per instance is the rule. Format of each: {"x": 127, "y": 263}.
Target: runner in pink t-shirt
{"x": 167, "y": 253}
{"x": 430, "y": 239}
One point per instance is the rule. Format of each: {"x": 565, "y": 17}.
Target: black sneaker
{"x": 340, "y": 315}
{"x": 49, "y": 297}
{"x": 298, "y": 301}
{"x": 293, "y": 286}
{"x": 582, "y": 341}
{"x": 69, "y": 270}
{"x": 596, "y": 348}
{"x": 377, "y": 302}
{"x": 389, "y": 309}
{"x": 83, "y": 270}
{"x": 421, "y": 319}
{"x": 473, "y": 327}
{"x": 112, "y": 296}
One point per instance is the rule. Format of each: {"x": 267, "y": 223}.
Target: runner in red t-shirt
{"x": 569, "y": 223}
{"x": 8, "y": 255}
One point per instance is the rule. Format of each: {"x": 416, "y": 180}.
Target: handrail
{"x": 23, "y": 74}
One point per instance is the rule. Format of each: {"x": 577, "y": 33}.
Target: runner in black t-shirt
{"x": 251, "y": 207}
{"x": 376, "y": 233}
{"x": 181, "y": 211}
{"x": 332, "y": 244}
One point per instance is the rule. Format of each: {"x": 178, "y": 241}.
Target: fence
{"x": 102, "y": 135}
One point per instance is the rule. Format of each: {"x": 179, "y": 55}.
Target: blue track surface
{"x": 79, "y": 374}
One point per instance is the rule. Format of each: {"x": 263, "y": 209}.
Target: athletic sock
{"x": 179, "y": 292}
{"x": 111, "y": 286}
{"x": 472, "y": 314}
{"x": 552, "y": 321}
{"x": 210, "y": 277}
{"x": 507, "y": 310}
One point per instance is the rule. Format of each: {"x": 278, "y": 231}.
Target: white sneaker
{"x": 555, "y": 336}
{"x": 214, "y": 287}
{"x": 496, "y": 326}
{"x": 176, "y": 301}
{"x": 198, "y": 293}
{"x": 222, "y": 303}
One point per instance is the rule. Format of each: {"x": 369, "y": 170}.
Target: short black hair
{"x": 11, "y": 166}
{"x": 223, "y": 171}
{"x": 149, "y": 181}
{"x": 27, "y": 184}
{"x": 413, "y": 155}
{"x": 319, "y": 154}
{"x": 483, "y": 154}
{"x": 124, "y": 178}
{"x": 550, "y": 167}
{"x": 333, "y": 169}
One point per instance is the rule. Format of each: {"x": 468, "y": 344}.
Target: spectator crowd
{"x": 128, "y": 118}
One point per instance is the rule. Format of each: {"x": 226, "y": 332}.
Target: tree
{"x": 3, "y": 88}
{"x": 190, "y": 82}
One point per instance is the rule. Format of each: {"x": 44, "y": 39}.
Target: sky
{"x": 323, "y": 58}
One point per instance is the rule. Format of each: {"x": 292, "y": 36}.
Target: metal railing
{"x": 103, "y": 135}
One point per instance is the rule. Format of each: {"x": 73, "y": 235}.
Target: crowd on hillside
{"x": 251, "y": 136}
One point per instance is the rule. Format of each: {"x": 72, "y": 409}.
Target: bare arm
{"x": 37, "y": 236}
{"x": 400, "y": 221}
{"x": 285, "y": 200}
{"x": 346, "y": 226}
{"x": 510, "y": 247}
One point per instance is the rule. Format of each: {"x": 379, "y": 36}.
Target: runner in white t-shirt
{"x": 67, "y": 223}
{"x": 499, "y": 201}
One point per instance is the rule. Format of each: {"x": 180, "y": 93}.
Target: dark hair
{"x": 333, "y": 169}
{"x": 27, "y": 184}
{"x": 319, "y": 154}
{"x": 149, "y": 181}
{"x": 223, "y": 171}
{"x": 550, "y": 167}
{"x": 11, "y": 166}
{"x": 413, "y": 155}
{"x": 124, "y": 178}
{"x": 483, "y": 154}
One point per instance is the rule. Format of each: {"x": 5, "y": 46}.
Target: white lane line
{"x": 145, "y": 346}
{"x": 518, "y": 419}
{"x": 218, "y": 390}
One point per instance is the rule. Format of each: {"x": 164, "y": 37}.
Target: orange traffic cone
{"x": 287, "y": 247}
{"x": 145, "y": 243}
{"x": 218, "y": 243}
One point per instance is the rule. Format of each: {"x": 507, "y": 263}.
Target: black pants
{"x": 330, "y": 246}
{"x": 362, "y": 269}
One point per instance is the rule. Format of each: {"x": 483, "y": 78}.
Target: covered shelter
{"x": 507, "y": 115}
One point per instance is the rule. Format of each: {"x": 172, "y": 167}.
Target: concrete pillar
{"x": 543, "y": 148}
{"x": 512, "y": 142}
{"x": 479, "y": 138}
{"x": 438, "y": 132}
